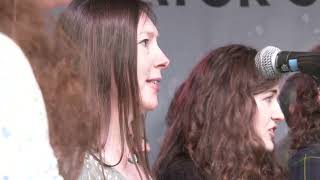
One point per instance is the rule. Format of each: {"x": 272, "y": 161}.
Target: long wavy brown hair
{"x": 299, "y": 98}
{"x": 211, "y": 118}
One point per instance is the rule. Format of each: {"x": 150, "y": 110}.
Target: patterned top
{"x": 93, "y": 170}
{"x": 25, "y": 152}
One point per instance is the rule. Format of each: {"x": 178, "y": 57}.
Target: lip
{"x": 272, "y": 131}
{"x": 154, "y": 83}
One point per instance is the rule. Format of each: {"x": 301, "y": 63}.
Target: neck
{"x": 113, "y": 148}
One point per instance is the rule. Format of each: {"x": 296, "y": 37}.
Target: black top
{"x": 181, "y": 168}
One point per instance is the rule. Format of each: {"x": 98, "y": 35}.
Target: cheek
{"x": 145, "y": 65}
{"x": 262, "y": 115}
{"x": 257, "y": 125}
{"x": 140, "y": 67}
{"x": 144, "y": 68}
{"x": 260, "y": 129}
{"x": 140, "y": 77}
{"x": 260, "y": 122}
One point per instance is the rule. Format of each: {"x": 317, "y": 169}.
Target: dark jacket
{"x": 180, "y": 168}
{"x": 305, "y": 164}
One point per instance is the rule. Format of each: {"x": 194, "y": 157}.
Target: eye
{"x": 145, "y": 42}
{"x": 268, "y": 98}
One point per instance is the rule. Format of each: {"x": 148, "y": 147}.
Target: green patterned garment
{"x": 92, "y": 170}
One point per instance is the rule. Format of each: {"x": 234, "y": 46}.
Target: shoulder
{"x": 5, "y": 39}
{"x": 13, "y": 62}
{"x": 9, "y": 48}
{"x": 23, "y": 121}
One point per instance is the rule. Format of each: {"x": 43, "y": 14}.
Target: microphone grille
{"x": 265, "y": 61}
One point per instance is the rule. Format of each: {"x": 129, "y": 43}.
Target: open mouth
{"x": 156, "y": 82}
{"x": 272, "y": 131}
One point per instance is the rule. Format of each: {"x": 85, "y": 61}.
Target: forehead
{"x": 145, "y": 25}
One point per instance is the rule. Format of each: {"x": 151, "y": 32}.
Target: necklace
{"x": 133, "y": 159}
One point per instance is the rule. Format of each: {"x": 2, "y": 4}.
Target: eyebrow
{"x": 150, "y": 33}
{"x": 273, "y": 91}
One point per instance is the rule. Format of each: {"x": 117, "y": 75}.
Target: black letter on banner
{"x": 163, "y": 2}
{"x": 303, "y": 2}
{"x": 180, "y": 3}
{"x": 245, "y": 3}
{"x": 216, "y": 3}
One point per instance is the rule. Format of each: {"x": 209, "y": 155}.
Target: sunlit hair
{"x": 299, "y": 99}
{"x": 57, "y": 69}
{"x": 105, "y": 32}
{"x": 211, "y": 118}
{"x": 24, "y": 25}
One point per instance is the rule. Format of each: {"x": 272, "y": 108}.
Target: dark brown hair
{"x": 299, "y": 101}
{"x": 105, "y": 32}
{"x": 211, "y": 118}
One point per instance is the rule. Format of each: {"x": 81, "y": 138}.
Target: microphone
{"x": 271, "y": 62}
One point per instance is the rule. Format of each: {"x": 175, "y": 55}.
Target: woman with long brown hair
{"x": 300, "y": 102}
{"x": 222, "y": 121}
{"x": 121, "y": 64}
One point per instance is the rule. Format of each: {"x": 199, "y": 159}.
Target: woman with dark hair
{"x": 121, "y": 63}
{"x": 299, "y": 100}
{"x": 222, "y": 121}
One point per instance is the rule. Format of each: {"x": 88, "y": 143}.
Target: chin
{"x": 148, "y": 106}
{"x": 149, "y": 102}
{"x": 269, "y": 147}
